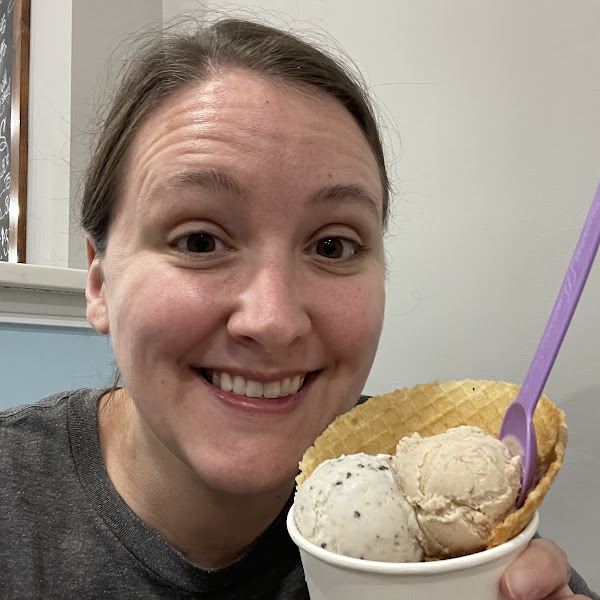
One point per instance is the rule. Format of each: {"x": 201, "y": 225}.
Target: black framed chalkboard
{"x": 14, "y": 95}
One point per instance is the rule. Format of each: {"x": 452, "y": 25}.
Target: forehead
{"x": 257, "y": 95}
{"x": 252, "y": 127}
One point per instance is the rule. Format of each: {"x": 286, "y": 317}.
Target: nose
{"x": 270, "y": 310}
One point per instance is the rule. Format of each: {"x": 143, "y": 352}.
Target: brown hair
{"x": 171, "y": 60}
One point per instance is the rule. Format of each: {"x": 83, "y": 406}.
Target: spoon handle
{"x": 563, "y": 310}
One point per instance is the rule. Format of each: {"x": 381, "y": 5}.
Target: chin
{"x": 247, "y": 482}
{"x": 246, "y": 472}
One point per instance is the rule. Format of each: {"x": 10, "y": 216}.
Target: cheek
{"x": 159, "y": 314}
{"x": 353, "y": 318}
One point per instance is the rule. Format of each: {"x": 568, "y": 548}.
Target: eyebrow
{"x": 210, "y": 179}
{"x": 219, "y": 181}
{"x": 346, "y": 192}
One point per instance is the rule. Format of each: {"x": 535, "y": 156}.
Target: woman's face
{"x": 245, "y": 251}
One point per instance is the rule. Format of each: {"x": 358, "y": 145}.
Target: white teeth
{"x": 239, "y": 385}
{"x": 286, "y": 387}
{"x": 295, "y": 384}
{"x": 255, "y": 389}
{"x": 226, "y": 383}
{"x": 272, "y": 390}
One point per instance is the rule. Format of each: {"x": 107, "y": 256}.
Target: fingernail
{"x": 521, "y": 583}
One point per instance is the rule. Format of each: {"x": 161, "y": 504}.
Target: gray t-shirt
{"x": 66, "y": 533}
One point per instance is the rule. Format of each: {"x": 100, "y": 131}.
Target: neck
{"x": 211, "y": 528}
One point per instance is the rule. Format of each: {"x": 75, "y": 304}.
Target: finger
{"x": 540, "y": 572}
{"x": 564, "y": 592}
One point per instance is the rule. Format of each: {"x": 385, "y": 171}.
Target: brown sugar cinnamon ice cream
{"x": 461, "y": 484}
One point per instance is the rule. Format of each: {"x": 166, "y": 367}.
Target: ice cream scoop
{"x": 352, "y": 505}
{"x": 462, "y": 483}
{"x": 517, "y": 425}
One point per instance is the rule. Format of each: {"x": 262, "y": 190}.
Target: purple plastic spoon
{"x": 517, "y": 425}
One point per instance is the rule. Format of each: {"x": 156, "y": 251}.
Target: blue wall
{"x": 36, "y": 361}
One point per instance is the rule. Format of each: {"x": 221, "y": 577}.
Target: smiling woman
{"x": 218, "y": 280}
{"x": 234, "y": 209}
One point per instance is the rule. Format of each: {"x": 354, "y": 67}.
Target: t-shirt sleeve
{"x": 579, "y": 586}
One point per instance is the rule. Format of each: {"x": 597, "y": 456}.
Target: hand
{"x": 541, "y": 572}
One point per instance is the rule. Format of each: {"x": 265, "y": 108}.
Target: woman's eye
{"x": 200, "y": 243}
{"x": 335, "y": 247}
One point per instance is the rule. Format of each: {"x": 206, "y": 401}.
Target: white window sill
{"x": 36, "y": 295}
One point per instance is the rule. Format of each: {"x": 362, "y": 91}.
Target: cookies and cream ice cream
{"x": 353, "y": 505}
{"x": 438, "y": 497}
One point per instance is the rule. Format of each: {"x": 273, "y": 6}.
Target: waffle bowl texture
{"x": 428, "y": 409}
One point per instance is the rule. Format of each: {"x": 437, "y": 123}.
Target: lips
{"x": 255, "y": 389}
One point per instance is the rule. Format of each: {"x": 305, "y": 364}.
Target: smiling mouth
{"x": 255, "y": 389}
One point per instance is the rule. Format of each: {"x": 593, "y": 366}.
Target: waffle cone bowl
{"x": 428, "y": 409}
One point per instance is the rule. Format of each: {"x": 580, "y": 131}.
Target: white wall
{"x": 101, "y": 32}
{"x": 71, "y": 46}
{"x": 497, "y": 109}
{"x": 49, "y": 149}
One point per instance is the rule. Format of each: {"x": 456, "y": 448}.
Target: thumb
{"x": 541, "y": 571}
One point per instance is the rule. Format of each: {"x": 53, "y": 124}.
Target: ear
{"x": 95, "y": 291}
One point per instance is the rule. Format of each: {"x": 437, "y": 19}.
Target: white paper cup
{"x": 335, "y": 577}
